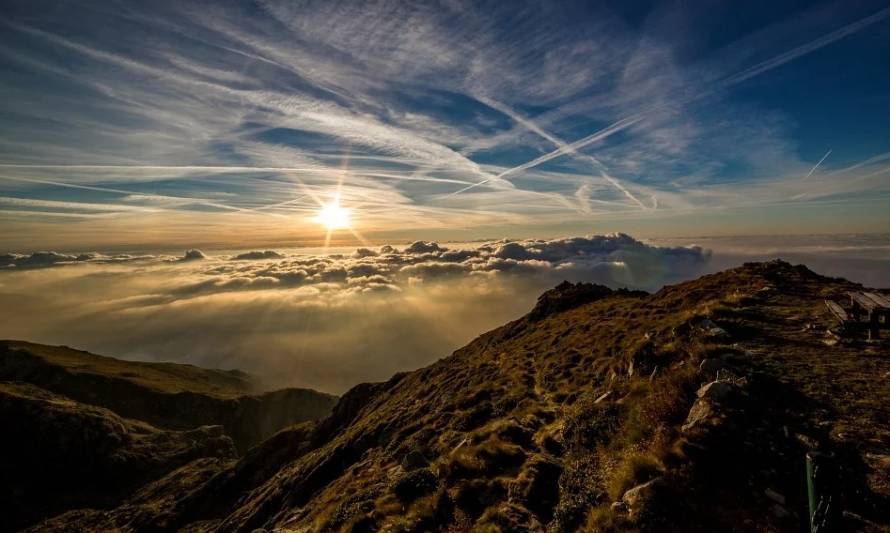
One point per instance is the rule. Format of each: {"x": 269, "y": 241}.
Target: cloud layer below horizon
{"x": 320, "y": 321}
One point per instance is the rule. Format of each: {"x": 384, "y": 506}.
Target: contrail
{"x": 568, "y": 148}
{"x": 560, "y": 144}
{"x": 727, "y": 82}
{"x": 200, "y": 201}
{"x": 804, "y": 49}
{"x": 812, "y": 170}
{"x": 227, "y": 169}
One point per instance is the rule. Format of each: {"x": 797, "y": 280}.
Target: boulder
{"x": 636, "y": 498}
{"x": 712, "y": 331}
{"x": 716, "y": 401}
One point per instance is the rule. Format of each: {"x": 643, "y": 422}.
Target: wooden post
{"x": 811, "y": 491}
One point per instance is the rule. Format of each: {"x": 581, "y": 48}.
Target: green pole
{"x": 811, "y": 491}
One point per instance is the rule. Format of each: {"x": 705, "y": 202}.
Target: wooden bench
{"x": 875, "y": 307}
{"x": 837, "y": 311}
{"x": 879, "y": 299}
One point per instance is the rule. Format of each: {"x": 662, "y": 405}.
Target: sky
{"x": 161, "y": 125}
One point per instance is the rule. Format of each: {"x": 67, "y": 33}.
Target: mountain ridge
{"x": 602, "y": 411}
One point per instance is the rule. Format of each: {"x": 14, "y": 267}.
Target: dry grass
{"x": 527, "y": 394}
{"x": 634, "y": 469}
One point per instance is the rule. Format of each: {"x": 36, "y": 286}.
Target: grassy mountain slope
{"x": 168, "y": 378}
{"x": 168, "y": 395}
{"x": 690, "y": 409}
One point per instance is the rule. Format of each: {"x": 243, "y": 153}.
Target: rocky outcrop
{"x": 567, "y": 296}
{"x": 715, "y": 405}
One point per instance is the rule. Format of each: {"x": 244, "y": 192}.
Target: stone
{"x": 603, "y": 397}
{"x": 775, "y": 496}
{"x": 806, "y": 441}
{"x": 707, "y": 409}
{"x": 635, "y": 497}
{"x": 619, "y": 507}
{"x": 700, "y": 413}
{"x": 717, "y": 391}
{"x": 711, "y": 330}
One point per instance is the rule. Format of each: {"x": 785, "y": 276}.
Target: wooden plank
{"x": 836, "y": 310}
{"x": 857, "y": 298}
{"x": 879, "y": 299}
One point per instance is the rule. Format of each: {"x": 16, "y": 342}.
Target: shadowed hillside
{"x": 168, "y": 395}
{"x": 59, "y": 454}
{"x": 87, "y": 431}
{"x": 690, "y": 409}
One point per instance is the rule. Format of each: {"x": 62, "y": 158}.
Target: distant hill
{"x": 29, "y": 360}
{"x": 691, "y": 409}
{"x": 169, "y": 395}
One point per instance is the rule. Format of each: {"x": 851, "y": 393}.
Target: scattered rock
{"x": 711, "y": 408}
{"x": 775, "y": 496}
{"x": 711, "y": 330}
{"x": 636, "y": 497}
{"x": 718, "y": 391}
{"x": 567, "y": 296}
{"x": 806, "y": 441}
{"x": 619, "y": 507}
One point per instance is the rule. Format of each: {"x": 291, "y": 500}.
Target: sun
{"x": 332, "y": 216}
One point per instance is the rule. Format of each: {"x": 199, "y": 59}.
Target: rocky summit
{"x": 711, "y": 405}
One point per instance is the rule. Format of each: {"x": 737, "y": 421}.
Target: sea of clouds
{"x": 326, "y": 321}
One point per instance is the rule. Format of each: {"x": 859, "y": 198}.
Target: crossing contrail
{"x": 560, "y": 145}
{"x": 812, "y": 170}
{"x": 729, "y": 81}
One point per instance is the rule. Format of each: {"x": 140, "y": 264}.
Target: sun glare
{"x": 332, "y": 216}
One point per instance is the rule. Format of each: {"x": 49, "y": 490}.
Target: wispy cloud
{"x": 430, "y": 116}
{"x": 723, "y": 84}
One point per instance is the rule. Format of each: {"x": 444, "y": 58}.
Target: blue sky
{"x": 151, "y": 124}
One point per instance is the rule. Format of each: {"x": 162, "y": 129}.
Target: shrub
{"x": 588, "y": 424}
{"x": 635, "y": 469}
{"x": 415, "y": 484}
